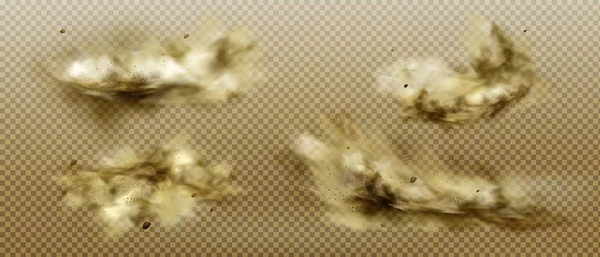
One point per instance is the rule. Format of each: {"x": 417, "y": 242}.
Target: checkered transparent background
{"x": 320, "y": 58}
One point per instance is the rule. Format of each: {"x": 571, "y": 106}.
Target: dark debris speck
{"x": 146, "y": 225}
{"x": 62, "y": 31}
{"x": 212, "y": 209}
{"x": 405, "y": 85}
{"x": 524, "y": 30}
{"x": 413, "y": 179}
{"x": 72, "y": 162}
{"x": 477, "y": 191}
{"x": 186, "y": 35}
{"x": 194, "y": 194}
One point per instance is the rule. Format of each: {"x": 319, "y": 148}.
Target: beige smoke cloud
{"x": 501, "y": 73}
{"x": 365, "y": 184}
{"x": 210, "y": 66}
{"x": 162, "y": 184}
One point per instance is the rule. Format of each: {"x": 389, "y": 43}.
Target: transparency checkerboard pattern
{"x": 319, "y": 58}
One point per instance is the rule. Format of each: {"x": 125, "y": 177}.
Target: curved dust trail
{"x": 208, "y": 67}
{"x": 502, "y": 73}
{"x": 131, "y": 188}
{"x": 362, "y": 183}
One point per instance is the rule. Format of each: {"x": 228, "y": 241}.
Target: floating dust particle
{"x": 62, "y": 31}
{"x": 186, "y": 35}
{"x": 348, "y": 147}
{"x": 194, "y": 194}
{"x": 413, "y": 179}
{"x": 212, "y": 209}
{"x": 405, "y": 85}
{"x": 146, "y": 225}
{"x": 524, "y": 30}
{"x": 73, "y": 162}
{"x": 477, "y": 191}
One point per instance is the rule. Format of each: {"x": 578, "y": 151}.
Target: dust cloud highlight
{"x": 133, "y": 188}
{"x": 365, "y": 185}
{"x": 210, "y": 66}
{"x": 502, "y": 73}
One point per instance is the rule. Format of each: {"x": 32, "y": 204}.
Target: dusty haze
{"x": 319, "y": 58}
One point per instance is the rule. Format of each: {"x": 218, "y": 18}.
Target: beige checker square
{"x": 319, "y": 58}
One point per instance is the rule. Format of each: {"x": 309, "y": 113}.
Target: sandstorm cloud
{"x": 365, "y": 185}
{"x": 209, "y": 66}
{"x": 501, "y": 73}
{"x": 133, "y": 188}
